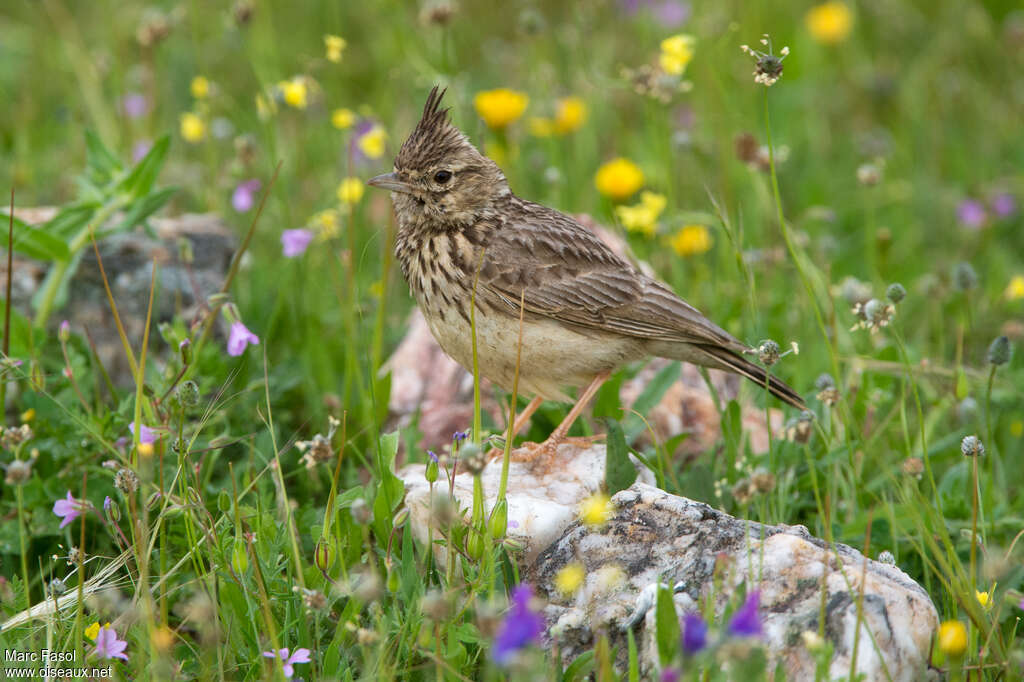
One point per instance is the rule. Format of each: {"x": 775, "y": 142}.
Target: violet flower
{"x": 971, "y": 213}
{"x": 140, "y": 149}
{"x": 520, "y": 627}
{"x": 300, "y": 656}
{"x": 69, "y": 509}
{"x": 695, "y": 633}
{"x": 146, "y": 434}
{"x": 108, "y": 645}
{"x": 295, "y": 242}
{"x": 135, "y": 105}
{"x": 1004, "y": 206}
{"x": 244, "y": 196}
{"x": 745, "y": 622}
{"x": 239, "y": 338}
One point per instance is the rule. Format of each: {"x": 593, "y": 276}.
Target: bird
{"x": 544, "y": 294}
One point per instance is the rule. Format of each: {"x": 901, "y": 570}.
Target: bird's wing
{"x": 565, "y": 272}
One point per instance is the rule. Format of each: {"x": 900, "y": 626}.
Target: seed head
{"x": 126, "y": 480}
{"x": 188, "y": 393}
{"x": 964, "y": 276}
{"x": 18, "y": 471}
{"x": 472, "y": 458}
{"x": 869, "y": 174}
{"x": 887, "y": 558}
{"x": 768, "y": 352}
{"x": 972, "y": 446}
{"x": 767, "y": 65}
{"x": 999, "y": 351}
{"x": 913, "y": 466}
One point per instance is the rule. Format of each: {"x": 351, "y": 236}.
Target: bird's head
{"x": 439, "y": 176}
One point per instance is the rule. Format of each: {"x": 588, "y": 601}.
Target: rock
{"x": 127, "y": 258}
{"x": 542, "y": 501}
{"x": 654, "y": 534}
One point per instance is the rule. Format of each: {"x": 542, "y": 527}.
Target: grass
{"x": 246, "y": 550}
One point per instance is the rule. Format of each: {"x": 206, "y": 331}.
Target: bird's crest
{"x": 433, "y": 138}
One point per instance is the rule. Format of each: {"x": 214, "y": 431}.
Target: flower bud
{"x": 185, "y": 350}
{"x": 964, "y": 276}
{"x": 401, "y": 517}
{"x": 499, "y": 519}
{"x": 896, "y": 292}
{"x": 188, "y": 393}
{"x": 239, "y": 558}
{"x": 999, "y": 351}
{"x": 431, "y": 471}
{"x": 393, "y": 581}
{"x": 64, "y": 333}
{"x": 323, "y": 555}
{"x": 475, "y": 544}
{"x": 127, "y": 481}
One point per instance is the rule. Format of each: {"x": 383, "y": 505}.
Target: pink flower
{"x": 244, "y": 196}
{"x": 134, "y": 105}
{"x": 108, "y": 645}
{"x": 971, "y": 213}
{"x": 300, "y": 656}
{"x": 239, "y": 338}
{"x": 1004, "y": 205}
{"x": 140, "y": 149}
{"x": 295, "y": 242}
{"x": 146, "y": 434}
{"x": 69, "y": 509}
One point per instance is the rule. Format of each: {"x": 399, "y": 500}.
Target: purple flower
{"x": 520, "y": 627}
{"x": 745, "y": 622}
{"x": 669, "y": 675}
{"x": 239, "y": 338}
{"x": 460, "y": 436}
{"x": 300, "y": 656}
{"x": 295, "y": 242}
{"x": 671, "y": 13}
{"x": 244, "y": 195}
{"x": 140, "y": 149}
{"x": 108, "y": 645}
{"x": 695, "y": 633}
{"x": 146, "y": 434}
{"x": 69, "y": 509}
{"x": 106, "y": 504}
{"x": 355, "y": 152}
{"x": 971, "y": 213}
{"x": 433, "y": 456}
{"x": 135, "y": 105}
{"x": 1004, "y": 206}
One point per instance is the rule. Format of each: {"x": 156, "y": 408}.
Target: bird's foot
{"x": 543, "y": 456}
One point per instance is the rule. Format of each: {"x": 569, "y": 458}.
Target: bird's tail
{"x": 732, "y": 362}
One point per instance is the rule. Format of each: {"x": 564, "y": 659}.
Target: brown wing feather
{"x": 570, "y": 275}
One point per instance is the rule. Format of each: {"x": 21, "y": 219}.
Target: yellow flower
{"x": 146, "y": 449}
{"x": 295, "y": 92}
{"x": 642, "y": 217}
{"x": 350, "y": 191}
{"x": 1017, "y": 428}
{"x": 676, "y": 53}
{"x": 619, "y": 179}
{"x": 1015, "y": 290}
{"x": 334, "y": 45}
{"x": 193, "y": 127}
{"x": 984, "y": 598}
{"x": 326, "y": 224}
{"x": 500, "y": 107}
{"x": 691, "y": 240}
{"x": 953, "y": 638}
{"x": 163, "y": 638}
{"x": 372, "y": 142}
{"x": 343, "y": 118}
{"x": 596, "y": 509}
{"x": 570, "y": 114}
{"x": 93, "y": 630}
{"x": 200, "y": 87}
{"x": 28, "y": 415}
{"x": 830, "y": 22}
{"x": 541, "y": 126}
{"x": 569, "y": 578}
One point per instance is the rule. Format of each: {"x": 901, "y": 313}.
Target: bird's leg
{"x": 550, "y": 446}
{"x": 519, "y": 422}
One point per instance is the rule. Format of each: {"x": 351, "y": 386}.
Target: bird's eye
{"x": 442, "y": 176}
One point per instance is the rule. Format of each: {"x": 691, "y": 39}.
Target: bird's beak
{"x": 390, "y": 181}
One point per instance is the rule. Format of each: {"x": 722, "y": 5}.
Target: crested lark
{"x": 587, "y": 311}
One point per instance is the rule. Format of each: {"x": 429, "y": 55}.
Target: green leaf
{"x": 101, "y": 163}
{"x": 142, "y": 209}
{"x": 35, "y": 242}
{"x": 391, "y": 486}
{"x": 139, "y": 181}
{"x": 667, "y": 624}
{"x": 21, "y": 330}
{"x": 651, "y": 396}
{"x": 619, "y": 472}
{"x": 634, "y": 663}
{"x": 580, "y": 668}
{"x": 71, "y": 219}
